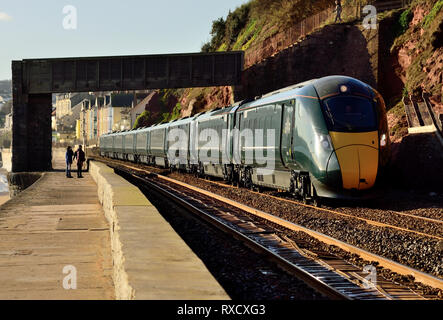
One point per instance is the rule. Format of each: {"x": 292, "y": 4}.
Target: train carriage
{"x": 213, "y": 134}
{"x": 258, "y": 144}
{"x": 118, "y": 149}
{"x": 159, "y": 144}
{"x": 106, "y": 145}
{"x": 129, "y": 145}
{"x": 179, "y": 141}
{"x": 142, "y": 140}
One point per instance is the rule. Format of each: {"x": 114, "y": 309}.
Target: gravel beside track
{"x": 419, "y": 252}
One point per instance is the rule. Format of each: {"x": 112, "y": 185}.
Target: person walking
{"x": 69, "y": 156}
{"x": 81, "y": 158}
{"x": 338, "y": 10}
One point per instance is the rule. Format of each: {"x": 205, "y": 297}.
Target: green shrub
{"x": 405, "y": 92}
{"x": 176, "y": 112}
{"x": 206, "y": 47}
{"x": 245, "y": 35}
{"x": 235, "y": 22}
{"x": 404, "y": 21}
{"x": 143, "y": 120}
{"x": 431, "y": 16}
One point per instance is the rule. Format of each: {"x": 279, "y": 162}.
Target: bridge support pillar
{"x": 31, "y": 128}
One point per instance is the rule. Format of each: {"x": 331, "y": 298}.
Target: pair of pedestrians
{"x": 71, "y": 156}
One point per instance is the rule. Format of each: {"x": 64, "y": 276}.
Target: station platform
{"x": 55, "y": 223}
{"x": 119, "y": 244}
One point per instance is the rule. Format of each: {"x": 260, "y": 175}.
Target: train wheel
{"x": 316, "y": 202}
{"x": 200, "y": 171}
{"x": 304, "y": 188}
{"x": 247, "y": 178}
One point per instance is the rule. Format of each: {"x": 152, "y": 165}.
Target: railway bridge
{"x": 35, "y": 80}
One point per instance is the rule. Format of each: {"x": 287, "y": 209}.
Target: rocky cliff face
{"x": 343, "y": 49}
{"x": 419, "y": 53}
{"x": 197, "y": 100}
{"x": 415, "y": 61}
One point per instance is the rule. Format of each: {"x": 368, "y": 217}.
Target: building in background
{"x": 105, "y": 113}
{"x": 117, "y": 112}
{"x": 54, "y": 119}
{"x": 83, "y": 118}
{"x": 8, "y": 122}
{"x": 66, "y": 125}
{"x": 64, "y": 102}
{"x": 141, "y": 107}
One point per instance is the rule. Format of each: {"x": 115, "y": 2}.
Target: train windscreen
{"x": 350, "y": 114}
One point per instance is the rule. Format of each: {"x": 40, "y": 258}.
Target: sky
{"x": 42, "y": 29}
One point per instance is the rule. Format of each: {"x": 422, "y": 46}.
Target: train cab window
{"x": 350, "y": 114}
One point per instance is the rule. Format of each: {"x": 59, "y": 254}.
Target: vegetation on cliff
{"x": 258, "y": 19}
{"x": 419, "y": 44}
{"x": 418, "y": 49}
{"x": 163, "y": 107}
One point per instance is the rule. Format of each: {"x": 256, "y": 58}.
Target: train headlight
{"x": 383, "y": 140}
{"x": 325, "y": 141}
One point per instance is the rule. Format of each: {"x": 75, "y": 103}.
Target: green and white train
{"x": 329, "y": 139}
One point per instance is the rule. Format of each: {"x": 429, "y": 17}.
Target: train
{"x": 321, "y": 139}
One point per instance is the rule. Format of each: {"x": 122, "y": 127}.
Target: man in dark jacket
{"x": 69, "y": 156}
{"x": 338, "y": 10}
{"x": 81, "y": 158}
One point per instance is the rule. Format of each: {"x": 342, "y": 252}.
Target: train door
{"x": 236, "y": 140}
{"x": 242, "y": 126}
{"x": 287, "y": 138}
{"x": 193, "y": 142}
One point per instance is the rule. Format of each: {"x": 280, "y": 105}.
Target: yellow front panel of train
{"x": 357, "y": 154}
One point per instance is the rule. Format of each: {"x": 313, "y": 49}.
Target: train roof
{"x": 325, "y": 87}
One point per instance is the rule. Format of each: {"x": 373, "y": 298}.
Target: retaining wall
{"x": 150, "y": 260}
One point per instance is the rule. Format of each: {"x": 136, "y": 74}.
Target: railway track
{"x": 347, "y": 215}
{"x": 372, "y": 222}
{"x": 330, "y": 275}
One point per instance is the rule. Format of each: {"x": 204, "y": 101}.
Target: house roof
{"x": 143, "y": 104}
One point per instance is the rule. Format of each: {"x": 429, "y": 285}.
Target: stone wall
{"x": 334, "y": 50}
{"x": 19, "y": 182}
{"x": 107, "y": 181}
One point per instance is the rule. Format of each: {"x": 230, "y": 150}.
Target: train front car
{"x": 352, "y": 144}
